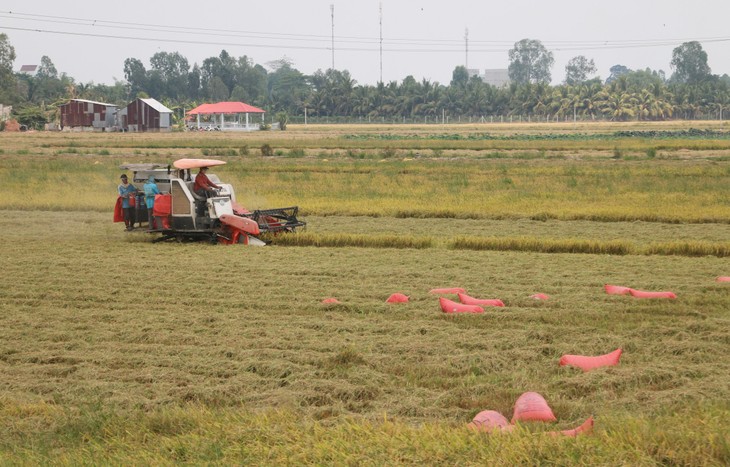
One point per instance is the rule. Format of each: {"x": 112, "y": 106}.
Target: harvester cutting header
{"x": 180, "y": 213}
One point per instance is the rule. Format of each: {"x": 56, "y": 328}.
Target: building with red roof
{"x": 226, "y": 116}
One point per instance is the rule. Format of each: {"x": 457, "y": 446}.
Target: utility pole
{"x": 466, "y": 48}
{"x": 381, "y": 42}
{"x": 332, "y": 13}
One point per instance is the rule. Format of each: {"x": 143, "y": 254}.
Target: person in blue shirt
{"x": 127, "y": 192}
{"x": 150, "y": 190}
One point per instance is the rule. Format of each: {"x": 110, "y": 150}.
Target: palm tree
{"x": 362, "y": 100}
{"x": 432, "y": 94}
{"x": 589, "y": 97}
{"x": 618, "y": 106}
{"x": 475, "y": 98}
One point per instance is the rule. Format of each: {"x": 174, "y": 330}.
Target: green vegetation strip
{"x": 666, "y": 191}
{"x": 689, "y": 133}
{"x": 41, "y": 433}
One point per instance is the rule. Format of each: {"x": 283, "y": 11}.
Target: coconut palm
{"x": 618, "y": 106}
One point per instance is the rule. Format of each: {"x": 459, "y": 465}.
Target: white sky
{"x": 301, "y": 30}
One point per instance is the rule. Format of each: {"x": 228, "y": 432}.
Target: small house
{"x": 82, "y": 114}
{"x": 145, "y": 115}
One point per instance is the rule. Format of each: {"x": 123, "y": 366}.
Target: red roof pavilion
{"x": 225, "y": 108}
{"x": 215, "y": 116}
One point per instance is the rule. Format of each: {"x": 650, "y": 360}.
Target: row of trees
{"x": 691, "y": 92}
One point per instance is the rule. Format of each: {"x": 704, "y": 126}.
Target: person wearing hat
{"x": 150, "y": 190}
{"x": 203, "y": 185}
{"x": 127, "y": 192}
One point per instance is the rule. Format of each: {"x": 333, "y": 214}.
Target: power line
{"x": 560, "y": 44}
{"x": 349, "y": 49}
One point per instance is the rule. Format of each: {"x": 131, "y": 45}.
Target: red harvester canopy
{"x": 225, "y": 108}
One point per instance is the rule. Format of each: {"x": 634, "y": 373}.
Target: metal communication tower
{"x": 381, "y": 42}
{"x": 466, "y": 48}
{"x": 332, "y": 13}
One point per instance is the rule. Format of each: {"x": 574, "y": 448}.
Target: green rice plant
{"x": 353, "y": 154}
{"x": 296, "y": 153}
{"x": 267, "y": 150}
{"x": 387, "y": 153}
{"x": 668, "y": 191}
{"x": 200, "y": 435}
{"x": 208, "y": 152}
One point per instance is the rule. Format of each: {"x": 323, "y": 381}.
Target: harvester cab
{"x": 181, "y": 214}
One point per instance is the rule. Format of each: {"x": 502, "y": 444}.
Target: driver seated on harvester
{"x": 204, "y": 188}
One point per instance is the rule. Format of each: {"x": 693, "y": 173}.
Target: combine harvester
{"x": 182, "y": 215}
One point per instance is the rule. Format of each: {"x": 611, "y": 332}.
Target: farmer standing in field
{"x": 150, "y": 190}
{"x": 127, "y": 192}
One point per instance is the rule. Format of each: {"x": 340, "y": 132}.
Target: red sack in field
{"x": 448, "y": 306}
{"x": 162, "y": 206}
{"x": 467, "y": 300}
{"x": 645, "y": 294}
{"x": 490, "y": 420}
{"x": 532, "y": 407}
{"x": 118, "y": 211}
{"x": 330, "y": 300}
{"x": 590, "y": 363}
{"x": 397, "y": 298}
{"x": 617, "y": 290}
{"x": 451, "y": 290}
{"x": 585, "y": 429}
{"x": 723, "y": 279}
{"x": 539, "y": 296}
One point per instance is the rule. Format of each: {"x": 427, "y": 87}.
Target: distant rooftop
{"x": 155, "y": 104}
{"x": 224, "y": 108}
{"x": 90, "y": 102}
{"x": 495, "y": 76}
{"x": 28, "y": 68}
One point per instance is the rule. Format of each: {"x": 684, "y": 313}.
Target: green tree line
{"x": 691, "y": 92}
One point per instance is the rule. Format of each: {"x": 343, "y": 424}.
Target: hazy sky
{"x": 425, "y": 39}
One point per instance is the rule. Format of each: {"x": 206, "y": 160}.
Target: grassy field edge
{"x": 42, "y": 433}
